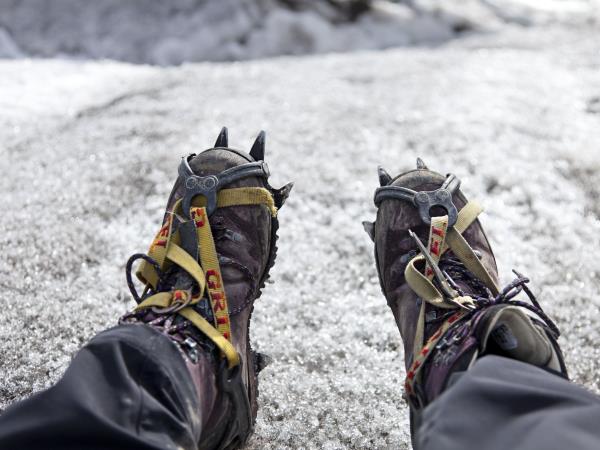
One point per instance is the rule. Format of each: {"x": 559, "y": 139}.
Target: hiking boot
{"x": 439, "y": 276}
{"x": 203, "y": 272}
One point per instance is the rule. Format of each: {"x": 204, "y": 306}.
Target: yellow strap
{"x": 212, "y": 270}
{"x": 420, "y": 283}
{"x": 160, "y": 300}
{"x": 158, "y": 251}
{"x": 225, "y": 198}
{"x": 164, "y": 300}
{"x": 233, "y": 359}
{"x": 241, "y": 196}
{"x": 165, "y": 250}
{"x": 183, "y": 259}
{"x": 467, "y": 216}
{"x": 464, "y": 252}
{"x": 422, "y": 286}
{"x": 437, "y": 239}
{"x": 420, "y": 329}
{"x": 421, "y": 355}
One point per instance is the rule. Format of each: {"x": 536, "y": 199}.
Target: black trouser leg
{"x": 502, "y": 404}
{"x": 127, "y": 389}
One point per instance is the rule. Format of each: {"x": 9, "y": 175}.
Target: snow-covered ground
{"x": 89, "y": 150}
{"x": 164, "y": 33}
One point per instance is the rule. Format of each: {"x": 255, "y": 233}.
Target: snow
{"x": 166, "y": 33}
{"x": 89, "y": 151}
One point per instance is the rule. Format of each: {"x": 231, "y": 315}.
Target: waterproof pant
{"x": 503, "y": 404}
{"x": 129, "y": 389}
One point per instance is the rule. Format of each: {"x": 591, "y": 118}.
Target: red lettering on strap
{"x": 218, "y": 301}
{"x": 213, "y": 279}
{"x": 222, "y": 320}
{"x": 199, "y": 217}
{"x": 437, "y": 231}
{"x": 164, "y": 231}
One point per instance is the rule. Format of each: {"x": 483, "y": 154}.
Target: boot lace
{"x": 455, "y": 271}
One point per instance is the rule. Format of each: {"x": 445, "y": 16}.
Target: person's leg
{"x": 439, "y": 275}
{"x": 179, "y": 372}
{"x": 127, "y": 388}
{"x": 501, "y": 403}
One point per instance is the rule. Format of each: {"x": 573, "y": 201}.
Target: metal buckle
{"x": 445, "y": 287}
{"x": 425, "y": 200}
{"x": 210, "y": 185}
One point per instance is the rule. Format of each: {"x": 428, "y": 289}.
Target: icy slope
{"x": 164, "y": 33}
{"x": 89, "y": 151}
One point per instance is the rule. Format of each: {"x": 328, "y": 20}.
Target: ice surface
{"x": 89, "y": 150}
{"x": 164, "y": 33}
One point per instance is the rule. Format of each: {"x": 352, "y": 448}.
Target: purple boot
{"x": 203, "y": 272}
{"x": 439, "y": 276}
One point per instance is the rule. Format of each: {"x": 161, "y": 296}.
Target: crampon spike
{"x": 421, "y": 164}
{"x": 222, "y": 140}
{"x": 384, "y": 177}
{"x": 258, "y": 148}
{"x": 370, "y": 229}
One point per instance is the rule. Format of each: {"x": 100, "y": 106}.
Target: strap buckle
{"x": 425, "y": 200}
{"x": 454, "y": 297}
{"x": 210, "y": 185}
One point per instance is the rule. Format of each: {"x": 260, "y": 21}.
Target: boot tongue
{"x": 511, "y": 333}
{"x": 464, "y": 281}
{"x": 506, "y": 331}
{"x": 500, "y": 330}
